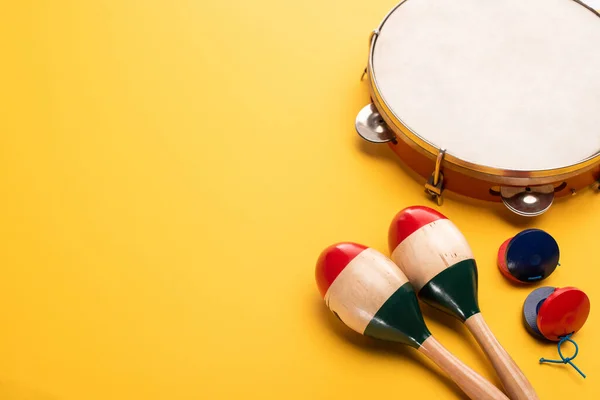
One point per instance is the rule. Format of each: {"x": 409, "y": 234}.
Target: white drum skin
{"x": 509, "y": 88}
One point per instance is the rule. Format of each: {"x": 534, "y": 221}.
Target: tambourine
{"x": 528, "y": 257}
{"x": 493, "y": 100}
{"x": 556, "y": 314}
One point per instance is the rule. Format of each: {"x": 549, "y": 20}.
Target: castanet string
{"x": 565, "y": 360}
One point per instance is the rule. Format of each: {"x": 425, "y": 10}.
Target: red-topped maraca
{"x": 369, "y": 294}
{"x": 438, "y": 261}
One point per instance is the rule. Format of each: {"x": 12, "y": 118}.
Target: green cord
{"x": 565, "y": 360}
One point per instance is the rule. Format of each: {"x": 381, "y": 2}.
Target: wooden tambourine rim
{"x": 491, "y": 174}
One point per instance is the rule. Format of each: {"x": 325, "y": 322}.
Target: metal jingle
{"x": 529, "y": 201}
{"x": 371, "y": 127}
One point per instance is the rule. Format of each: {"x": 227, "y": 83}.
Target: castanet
{"x": 370, "y": 295}
{"x": 436, "y": 258}
{"x": 528, "y": 257}
{"x": 556, "y": 314}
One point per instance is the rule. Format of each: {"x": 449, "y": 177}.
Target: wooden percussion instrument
{"x": 494, "y": 100}
{"x": 369, "y": 294}
{"x": 438, "y": 262}
{"x": 528, "y": 257}
{"x": 556, "y": 314}
{"x": 552, "y": 313}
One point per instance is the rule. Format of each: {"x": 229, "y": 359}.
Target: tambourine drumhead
{"x": 508, "y": 84}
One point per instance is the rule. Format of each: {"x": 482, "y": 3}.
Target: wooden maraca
{"x": 439, "y": 263}
{"x": 369, "y": 294}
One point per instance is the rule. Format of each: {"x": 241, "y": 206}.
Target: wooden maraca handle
{"x": 513, "y": 379}
{"x": 473, "y": 384}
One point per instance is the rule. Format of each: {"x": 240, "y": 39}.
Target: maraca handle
{"x": 473, "y": 384}
{"x": 513, "y": 379}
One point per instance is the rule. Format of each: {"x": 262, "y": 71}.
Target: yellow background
{"x": 170, "y": 171}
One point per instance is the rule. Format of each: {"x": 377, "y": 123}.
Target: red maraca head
{"x": 409, "y": 220}
{"x": 332, "y": 261}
